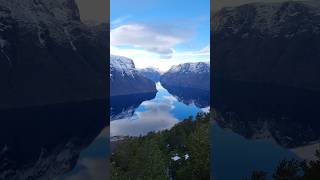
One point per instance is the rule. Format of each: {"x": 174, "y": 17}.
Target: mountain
{"x": 188, "y": 75}
{"x": 125, "y": 79}
{"x": 47, "y": 55}
{"x": 151, "y": 73}
{"x": 275, "y": 43}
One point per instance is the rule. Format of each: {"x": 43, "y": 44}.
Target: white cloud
{"x": 158, "y": 39}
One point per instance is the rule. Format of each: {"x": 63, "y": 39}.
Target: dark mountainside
{"x": 48, "y": 55}
{"x": 125, "y": 79}
{"x": 276, "y": 43}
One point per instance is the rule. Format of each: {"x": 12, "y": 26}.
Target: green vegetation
{"x": 293, "y": 170}
{"x": 150, "y": 157}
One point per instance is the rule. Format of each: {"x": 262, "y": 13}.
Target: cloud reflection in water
{"x": 156, "y": 117}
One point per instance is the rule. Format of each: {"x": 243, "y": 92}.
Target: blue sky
{"x": 160, "y": 33}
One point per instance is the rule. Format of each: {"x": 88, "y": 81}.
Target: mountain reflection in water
{"x": 159, "y": 113}
{"x": 45, "y": 142}
{"x": 259, "y": 125}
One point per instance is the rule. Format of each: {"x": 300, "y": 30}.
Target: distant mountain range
{"x": 125, "y": 79}
{"x": 151, "y": 73}
{"x": 188, "y": 75}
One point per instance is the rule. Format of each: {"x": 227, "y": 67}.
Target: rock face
{"x": 276, "y": 43}
{"x": 47, "y": 55}
{"x": 125, "y": 79}
{"x": 188, "y": 75}
{"x": 151, "y": 73}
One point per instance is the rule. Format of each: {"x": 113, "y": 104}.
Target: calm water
{"x": 161, "y": 112}
{"x": 93, "y": 162}
{"x": 232, "y": 152}
{"x": 257, "y": 125}
{"x": 61, "y": 141}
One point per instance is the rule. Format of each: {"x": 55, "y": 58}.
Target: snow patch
{"x": 206, "y": 109}
{"x": 186, "y": 156}
{"x": 175, "y": 158}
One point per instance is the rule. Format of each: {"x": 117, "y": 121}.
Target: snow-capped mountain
{"x": 188, "y": 75}
{"x": 47, "y": 55}
{"x": 123, "y": 65}
{"x": 196, "y": 68}
{"x": 125, "y": 78}
{"x": 151, "y": 73}
{"x": 274, "y": 43}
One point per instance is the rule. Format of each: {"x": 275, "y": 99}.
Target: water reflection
{"x": 161, "y": 112}
{"x": 93, "y": 161}
{"x": 190, "y": 96}
{"x": 45, "y": 142}
{"x": 248, "y": 116}
{"x": 124, "y": 106}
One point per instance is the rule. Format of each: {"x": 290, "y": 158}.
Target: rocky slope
{"x": 188, "y": 75}
{"x": 125, "y": 79}
{"x": 274, "y": 43}
{"x": 47, "y": 55}
{"x": 151, "y": 73}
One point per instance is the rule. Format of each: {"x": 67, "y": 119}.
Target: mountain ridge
{"x": 151, "y": 73}
{"x": 188, "y": 75}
